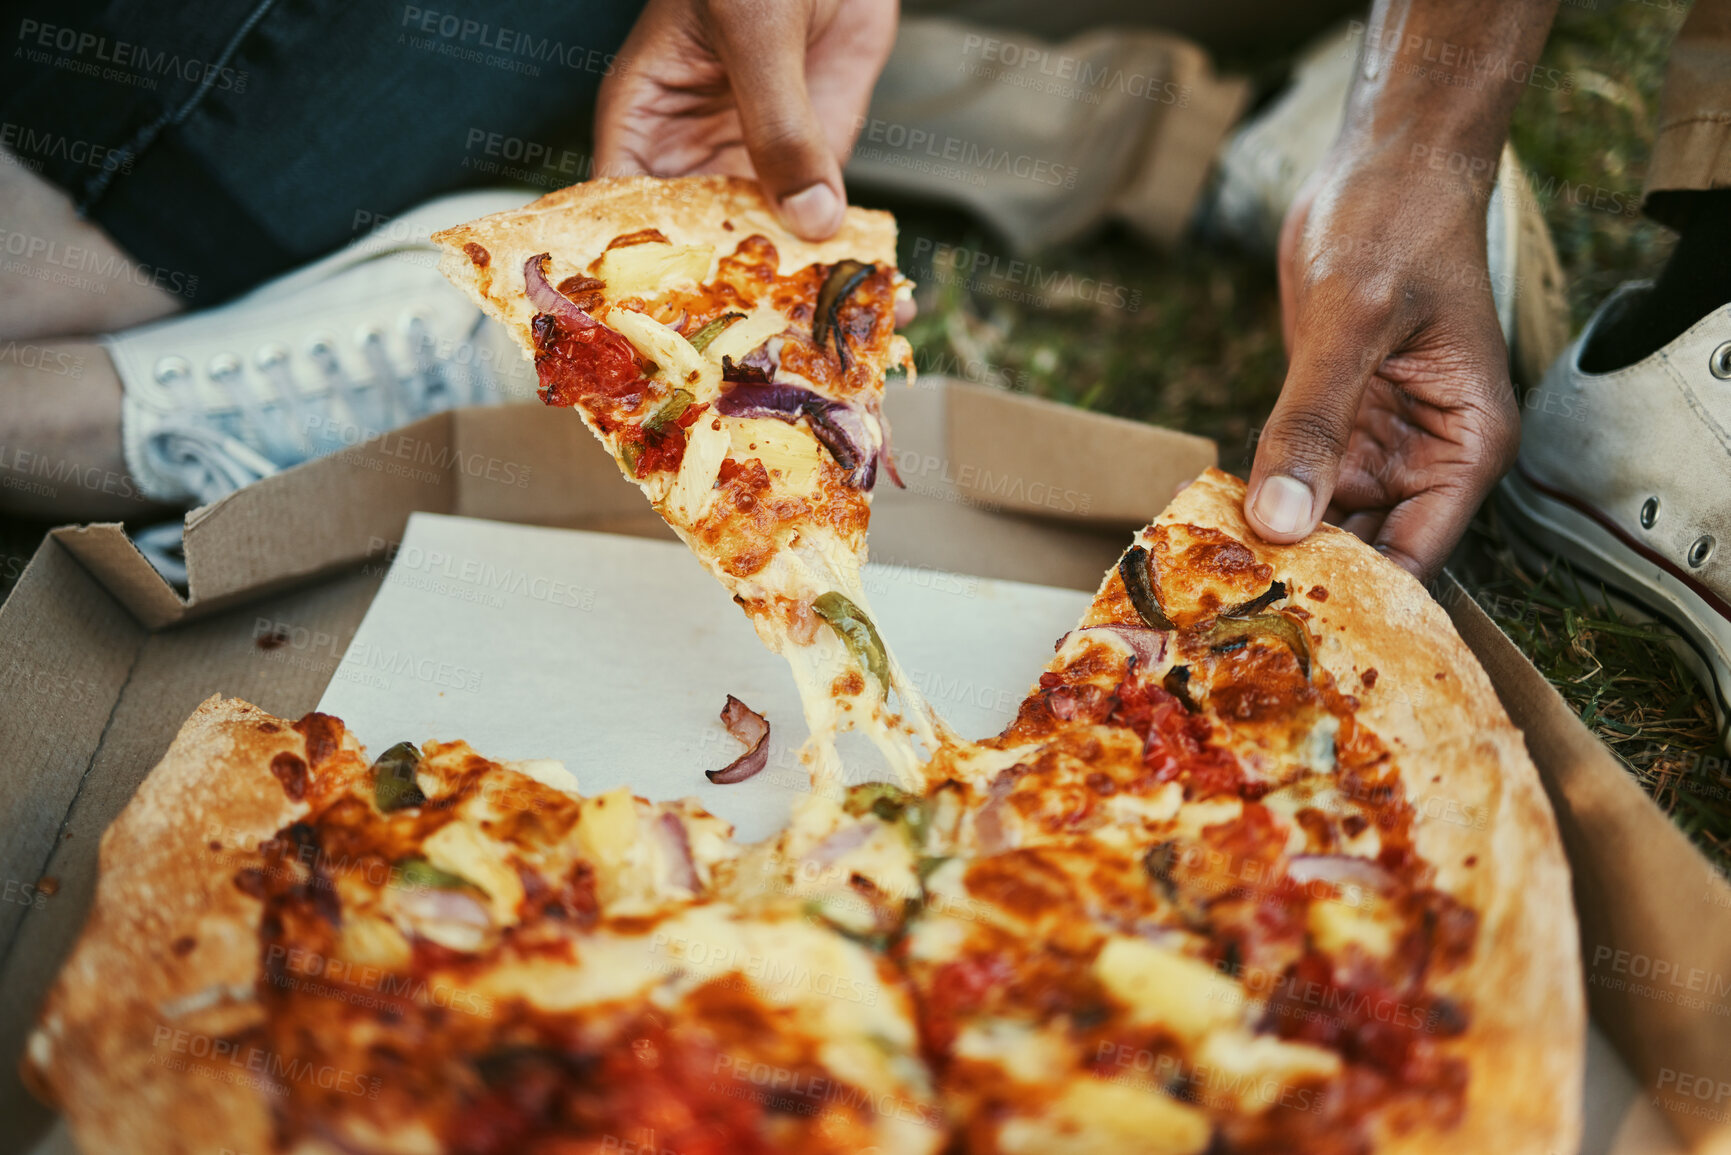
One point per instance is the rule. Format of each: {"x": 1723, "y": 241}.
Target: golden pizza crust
{"x": 576, "y": 224}
{"x": 1478, "y": 797}
{"x": 133, "y": 1043}
{"x": 168, "y": 960}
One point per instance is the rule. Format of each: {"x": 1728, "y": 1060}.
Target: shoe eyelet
{"x": 367, "y": 334}
{"x": 223, "y": 365}
{"x": 168, "y": 368}
{"x": 271, "y": 356}
{"x": 1700, "y": 551}
{"x": 1720, "y": 362}
{"x": 1649, "y": 512}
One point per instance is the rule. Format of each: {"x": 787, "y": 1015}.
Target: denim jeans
{"x": 230, "y": 140}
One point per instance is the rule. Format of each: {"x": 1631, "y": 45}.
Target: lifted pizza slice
{"x": 736, "y": 373}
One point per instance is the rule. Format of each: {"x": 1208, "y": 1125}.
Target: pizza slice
{"x": 293, "y": 949}
{"x": 1261, "y": 866}
{"x": 736, "y": 373}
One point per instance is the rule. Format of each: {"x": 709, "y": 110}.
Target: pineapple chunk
{"x": 648, "y": 269}
{"x": 1333, "y": 924}
{"x": 369, "y": 941}
{"x": 746, "y": 334}
{"x": 706, "y": 448}
{"x": 607, "y": 826}
{"x": 789, "y": 452}
{"x": 1167, "y": 989}
{"x": 1095, "y": 1117}
{"x": 679, "y": 364}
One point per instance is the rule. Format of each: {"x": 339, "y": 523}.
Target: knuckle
{"x": 1306, "y": 438}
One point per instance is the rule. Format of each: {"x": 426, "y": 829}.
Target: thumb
{"x": 762, "y": 47}
{"x": 1334, "y": 355}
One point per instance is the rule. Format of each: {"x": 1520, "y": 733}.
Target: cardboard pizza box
{"x": 101, "y": 661}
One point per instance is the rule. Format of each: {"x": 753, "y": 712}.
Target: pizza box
{"x": 100, "y": 662}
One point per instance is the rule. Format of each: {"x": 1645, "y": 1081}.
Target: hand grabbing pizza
{"x": 769, "y": 89}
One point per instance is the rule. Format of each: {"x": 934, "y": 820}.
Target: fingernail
{"x": 1283, "y": 504}
{"x": 813, "y": 213}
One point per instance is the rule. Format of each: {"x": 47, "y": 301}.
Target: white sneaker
{"x": 361, "y": 342}
{"x": 1628, "y": 476}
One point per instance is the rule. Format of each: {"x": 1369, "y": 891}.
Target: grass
{"x": 1192, "y": 341}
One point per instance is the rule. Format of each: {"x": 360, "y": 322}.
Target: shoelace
{"x": 293, "y": 426}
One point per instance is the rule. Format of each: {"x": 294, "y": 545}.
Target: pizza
{"x": 1260, "y": 866}
{"x": 736, "y": 374}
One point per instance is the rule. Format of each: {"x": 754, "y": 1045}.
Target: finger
{"x": 1287, "y": 251}
{"x": 628, "y": 87}
{"x": 1339, "y": 341}
{"x": 1419, "y": 534}
{"x": 762, "y": 47}
{"x": 906, "y": 311}
{"x": 1364, "y": 524}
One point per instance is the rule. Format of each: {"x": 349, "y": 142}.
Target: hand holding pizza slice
{"x": 736, "y": 373}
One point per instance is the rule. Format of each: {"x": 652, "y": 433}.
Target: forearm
{"x": 1438, "y": 81}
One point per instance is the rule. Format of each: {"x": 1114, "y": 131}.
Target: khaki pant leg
{"x": 1046, "y": 141}
{"x": 1692, "y": 151}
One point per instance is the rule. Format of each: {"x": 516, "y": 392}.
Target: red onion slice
{"x": 681, "y": 870}
{"x": 550, "y": 300}
{"x": 761, "y": 399}
{"x": 991, "y": 831}
{"x": 839, "y": 426}
{"x": 840, "y": 843}
{"x": 843, "y": 432}
{"x": 1147, "y": 643}
{"x": 751, "y": 728}
{"x": 432, "y": 904}
{"x": 886, "y": 457}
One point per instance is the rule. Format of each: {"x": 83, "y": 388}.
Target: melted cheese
{"x": 1253, "y": 1070}
{"x": 1166, "y": 989}
{"x": 738, "y": 340}
{"x": 649, "y": 270}
{"x": 1092, "y": 1116}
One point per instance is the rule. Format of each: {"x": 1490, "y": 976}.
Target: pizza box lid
{"x": 100, "y": 662}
